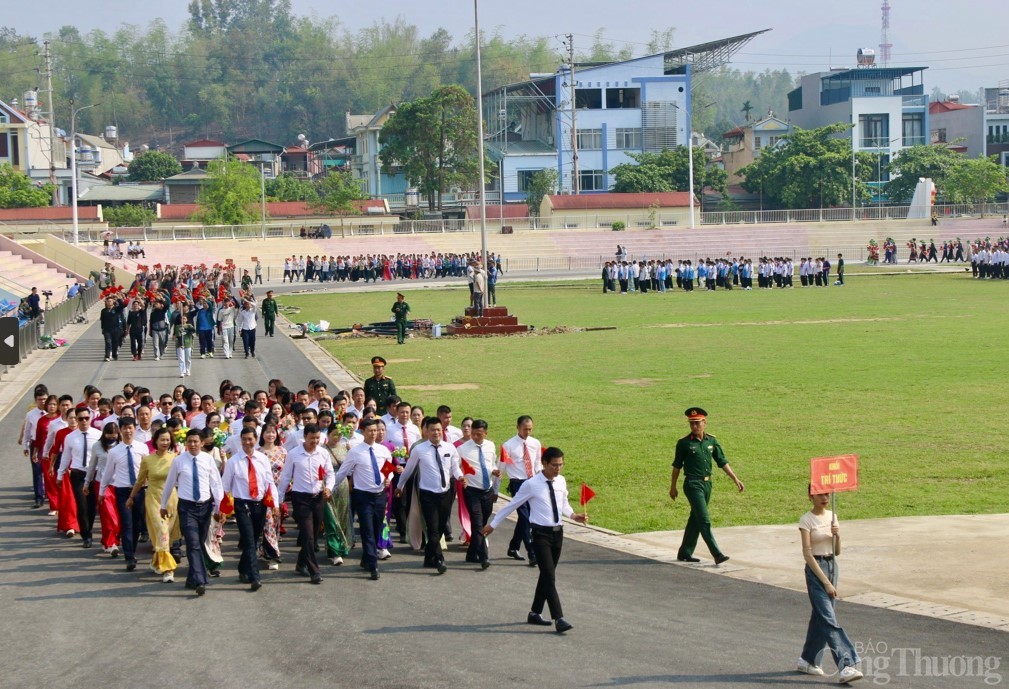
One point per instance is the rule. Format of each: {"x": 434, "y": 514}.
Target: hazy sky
{"x": 967, "y": 50}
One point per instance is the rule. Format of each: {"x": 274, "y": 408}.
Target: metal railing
{"x": 52, "y": 321}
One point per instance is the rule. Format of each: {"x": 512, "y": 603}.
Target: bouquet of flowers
{"x": 345, "y": 430}
{"x": 230, "y": 412}
{"x": 873, "y": 249}
{"x": 219, "y": 437}
{"x": 400, "y": 453}
{"x": 180, "y": 435}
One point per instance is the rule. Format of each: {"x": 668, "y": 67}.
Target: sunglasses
{"x": 83, "y": 418}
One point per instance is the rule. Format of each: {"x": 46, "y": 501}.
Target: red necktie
{"x": 253, "y": 482}
{"x": 528, "y": 460}
{"x": 444, "y": 434}
{"x": 406, "y": 442}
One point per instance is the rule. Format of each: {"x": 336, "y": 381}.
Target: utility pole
{"x": 570, "y": 44}
{"x": 51, "y": 120}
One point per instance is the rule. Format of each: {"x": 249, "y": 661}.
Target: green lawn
{"x": 902, "y": 370}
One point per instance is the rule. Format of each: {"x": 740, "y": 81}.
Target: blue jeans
{"x": 823, "y": 627}
{"x": 370, "y": 510}
{"x": 194, "y": 521}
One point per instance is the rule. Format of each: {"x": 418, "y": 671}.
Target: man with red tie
{"x": 402, "y": 433}
{"x": 74, "y": 467}
{"x": 450, "y": 434}
{"x": 121, "y": 469}
{"x": 249, "y": 479}
{"x": 308, "y": 472}
{"x": 521, "y": 457}
{"x": 364, "y": 464}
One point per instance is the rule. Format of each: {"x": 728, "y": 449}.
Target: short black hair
{"x": 127, "y": 421}
{"x": 248, "y": 431}
{"x": 551, "y": 454}
{"x": 368, "y": 423}
{"x": 478, "y": 424}
{"x": 430, "y": 421}
{"x": 312, "y": 428}
{"x": 523, "y": 419}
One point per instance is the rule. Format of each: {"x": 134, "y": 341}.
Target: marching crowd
{"x": 665, "y": 275}
{"x": 179, "y": 467}
{"x": 372, "y": 268}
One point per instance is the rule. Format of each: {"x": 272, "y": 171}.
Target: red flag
{"x": 587, "y": 494}
{"x": 387, "y": 468}
{"x": 322, "y": 473}
{"x": 467, "y": 469}
{"x": 227, "y": 505}
{"x": 505, "y": 458}
{"x": 268, "y": 500}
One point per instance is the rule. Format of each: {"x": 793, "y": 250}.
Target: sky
{"x": 965, "y": 51}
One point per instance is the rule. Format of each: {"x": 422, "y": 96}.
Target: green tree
{"x": 668, "y": 171}
{"x": 810, "y": 168}
{"x": 17, "y": 191}
{"x": 153, "y": 166}
{"x": 129, "y": 215}
{"x": 231, "y": 194}
{"x": 976, "y": 180}
{"x": 434, "y": 140}
{"x": 934, "y": 162}
{"x": 747, "y": 107}
{"x": 287, "y": 187}
{"x": 338, "y": 192}
{"x": 540, "y": 184}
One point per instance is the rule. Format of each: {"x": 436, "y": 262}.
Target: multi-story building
{"x": 366, "y": 164}
{"x": 26, "y": 141}
{"x": 742, "y": 145}
{"x": 887, "y": 106}
{"x": 584, "y": 122}
{"x": 996, "y": 122}
{"x": 957, "y": 126}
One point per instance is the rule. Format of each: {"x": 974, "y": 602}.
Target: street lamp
{"x": 73, "y": 166}
{"x": 479, "y": 112}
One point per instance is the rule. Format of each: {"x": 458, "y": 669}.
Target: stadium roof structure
{"x": 705, "y": 57}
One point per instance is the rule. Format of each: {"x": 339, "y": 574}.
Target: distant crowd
{"x": 721, "y": 273}
{"x": 375, "y": 267}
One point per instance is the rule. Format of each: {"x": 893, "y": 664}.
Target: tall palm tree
{"x": 746, "y": 109}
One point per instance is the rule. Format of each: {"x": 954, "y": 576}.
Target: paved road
{"x": 77, "y": 619}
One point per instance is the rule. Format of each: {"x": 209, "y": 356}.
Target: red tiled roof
{"x": 48, "y": 213}
{"x": 274, "y": 209}
{"x": 946, "y": 106}
{"x": 508, "y": 211}
{"x": 738, "y": 131}
{"x": 669, "y": 199}
{"x": 204, "y": 143}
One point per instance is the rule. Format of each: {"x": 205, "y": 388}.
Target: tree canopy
{"x": 935, "y": 162}
{"x": 337, "y": 193}
{"x": 231, "y": 194}
{"x": 153, "y": 166}
{"x": 976, "y": 180}
{"x": 17, "y": 191}
{"x": 668, "y": 171}
{"x": 541, "y": 183}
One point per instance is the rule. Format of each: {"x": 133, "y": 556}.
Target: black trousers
{"x": 194, "y": 521}
{"x": 480, "y": 504}
{"x": 112, "y": 340}
{"x": 249, "y": 342}
{"x": 547, "y": 546}
{"x": 308, "y": 516}
{"x": 87, "y": 505}
{"x": 370, "y": 511}
{"x": 130, "y": 520}
{"x": 522, "y": 535}
{"x": 250, "y": 515}
{"x": 137, "y": 342}
{"x": 437, "y": 509}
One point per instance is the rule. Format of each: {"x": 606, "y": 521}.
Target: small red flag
{"x": 387, "y": 468}
{"x": 467, "y": 469}
{"x": 587, "y": 494}
{"x": 505, "y": 458}
{"x": 322, "y": 473}
{"x": 227, "y": 505}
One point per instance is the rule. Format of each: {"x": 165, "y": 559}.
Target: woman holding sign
{"x": 821, "y": 544}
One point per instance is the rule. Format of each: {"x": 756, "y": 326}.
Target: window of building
{"x": 623, "y": 98}
{"x": 629, "y": 138}
{"x": 773, "y": 141}
{"x": 590, "y": 139}
{"x": 940, "y": 136}
{"x": 589, "y": 99}
{"x": 590, "y": 180}
{"x": 15, "y": 149}
{"x": 913, "y": 129}
{"x": 756, "y": 143}
{"x": 875, "y": 130}
{"x": 872, "y": 90}
{"x": 524, "y": 177}
{"x": 3, "y": 146}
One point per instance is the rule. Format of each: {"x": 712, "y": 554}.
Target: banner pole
{"x": 833, "y": 520}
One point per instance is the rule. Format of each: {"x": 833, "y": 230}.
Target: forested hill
{"x": 244, "y": 68}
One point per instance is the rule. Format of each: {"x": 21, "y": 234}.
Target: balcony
{"x": 914, "y": 141}
{"x": 915, "y": 101}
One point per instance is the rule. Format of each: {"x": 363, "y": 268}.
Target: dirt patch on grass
{"x": 640, "y": 382}
{"x": 820, "y": 321}
{"x": 700, "y": 375}
{"x": 400, "y": 361}
{"x": 445, "y": 386}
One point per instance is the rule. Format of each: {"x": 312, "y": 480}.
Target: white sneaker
{"x": 182, "y": 375}
{"x": 53, "y": 513}
{"x": 273, "y": 566}
{"x": 809, "y": 668}
{"x": 71, "y": 533}
{"x": 336, "y": 561}
{"x": 849, "y": 674}
{"x": 189, "y": 373}
{"x": 153, "y": 568}
{"x": 384, "y": 554}
{"x": 168, "y": 577}
{"x": 114, "y": 551}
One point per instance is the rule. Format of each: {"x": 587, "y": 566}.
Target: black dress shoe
{"x": 532, "y": 562}
{"x": 86, "y": 543}
{"x": 681, "y": 558}
{"x": 200, "y": 589}
{"x": 243, "y": 579}
{"x": 442, "y": 568}
{"x": 484, "y": 564}
{"x": 214, "y": 573}
{"x": 375, "y": 575}
{"x": 536, "y": 618}
{"x": 449, "y": 538}
{"x": 303, "y": 571}
{"x": 515, "y": 555}
{"x": 562, "y": 625}
{"x": 256, "y": 585}
{"x": 131, "y": 565}
{"x": 719, "y": 559}
{"x": 317, "y": 579}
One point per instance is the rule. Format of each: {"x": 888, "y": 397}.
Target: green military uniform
{"x": 379, "y": 390}
{"x": 399, "y": 310}
{"x": 694, "y": 457}
{"x": 269, "y": 315}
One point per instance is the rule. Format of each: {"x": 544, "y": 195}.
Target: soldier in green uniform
{"x": 694, "y": 455}
{"x": 399, "y": 310}
{"x": 269, "y": 313}
{"x": 378, "y": 387}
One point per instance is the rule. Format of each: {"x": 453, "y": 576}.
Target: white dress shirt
{"x": 422, "y": 457}
{"x": 394, "y": 433}
{"x": 301, "y": 471}
{"x": 536, "y": 492}
{"x": 357, "y": 465}
{"x": 140, "y": 435}
{"x": 451, "y": 433}
{"x": 513, "y": 448}
{"x": 117, "y": 469}
{"x": 31, "y": 425}
{"x": 55, "y": 426}
{"x": 180, "y": 476}
{"x": 73, "y": 450}
{"x": 469, "y": 452}
{"x": 236, "y": 477}
{"x": 246, "y": 319}
{"x": 98, "y": 457}
{"x": 294, "y": 438}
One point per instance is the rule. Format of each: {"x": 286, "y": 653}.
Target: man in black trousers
{"x": 547, "y": 497}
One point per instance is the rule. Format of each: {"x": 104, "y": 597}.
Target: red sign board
{"x": 254, "y": 259}
{"x": 833, "y": 474}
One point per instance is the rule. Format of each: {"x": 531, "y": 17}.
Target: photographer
{"x": 112, "y": 327}
{"x": 33, "y": 302}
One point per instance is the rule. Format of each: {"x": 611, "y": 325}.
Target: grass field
{"x": 907, "y": 371}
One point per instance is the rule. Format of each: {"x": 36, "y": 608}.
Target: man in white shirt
{"x": 449, "y": 434}
{"x": 364, "y": 464}
{"x": 199, "y": 420}
{"x": 521, "y": 457}
{"x": 296, "y": 436}
{"x": 308, "y": 472}
{"x": 357, "y": 399}
{"x": 546, "y": 495}
{"x": 245, "y": 321}
{"x": 435, "y": 462}
{"x": 76, "y": 451}
{"x": 249, "y": 479}
{"x": 194, "y": 474}
{"x": 480, "y": 493}
{"x": 28, "y": 442}
{"x": 145, "y": 429}
{"x": 121, "y": 469}
{"x": 402, "y": 432}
